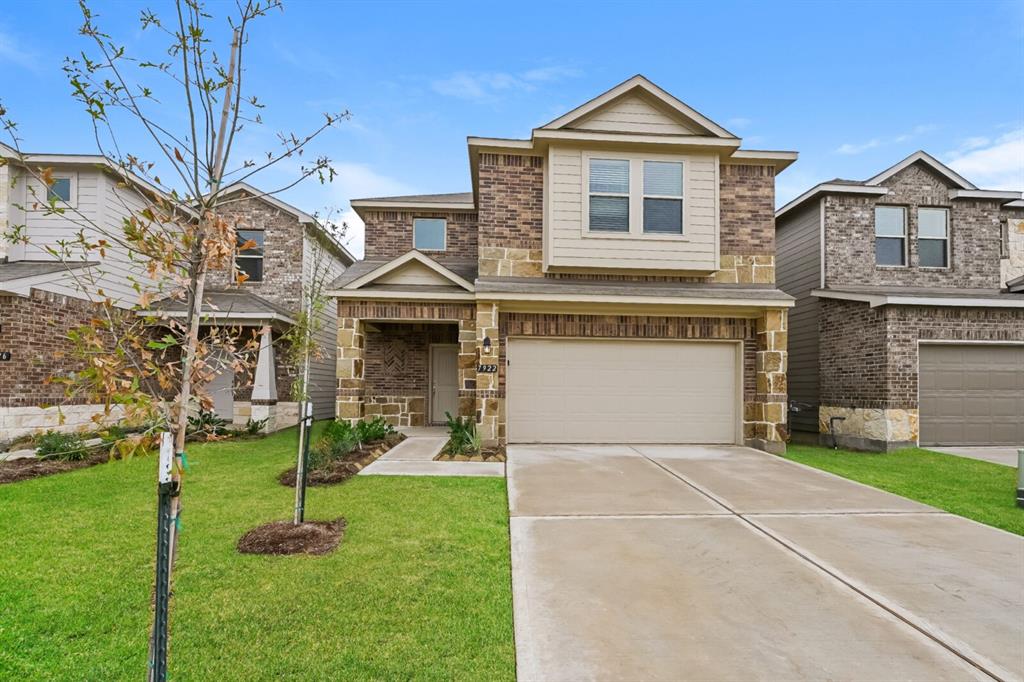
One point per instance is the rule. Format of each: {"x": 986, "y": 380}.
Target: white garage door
{"x": 606, "y": 391}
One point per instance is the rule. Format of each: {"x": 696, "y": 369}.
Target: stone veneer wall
{"x": 869, "y": 363}
{"x": 1012, "y": 264}
{"x": 974, "y": 230}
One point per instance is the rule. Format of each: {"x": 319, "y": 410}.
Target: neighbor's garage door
{"x": 604, "y": 391}
{"x": 972, "y": 395}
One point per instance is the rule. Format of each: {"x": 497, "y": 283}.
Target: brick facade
{"x": 869, "y": 362}
{"x": 974, "y": 231}
{"x": 389, "y": 235}
{"x": 747, "y": 209}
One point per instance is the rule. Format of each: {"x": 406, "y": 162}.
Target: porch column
{"x": 490, "y": 400}
{"x": 351, "y": 384}
{"x": 766, "y": 417}
{"x": 467, "y": 364}
{"x": 264, "y": 388}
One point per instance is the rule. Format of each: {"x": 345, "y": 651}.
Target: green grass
{"x": 976, "y": 490}
{"x": 419, "y": 588}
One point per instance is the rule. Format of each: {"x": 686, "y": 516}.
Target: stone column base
{"x": 874, "y": 430}
{"x": 264, "y": 409}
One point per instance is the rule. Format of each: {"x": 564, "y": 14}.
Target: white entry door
{"x": 622, "y": 391}
{"x": 444, "y": 382}
{"x": 222, "y": 389}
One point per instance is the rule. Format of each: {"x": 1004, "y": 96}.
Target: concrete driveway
{"x": 725, "y": 563}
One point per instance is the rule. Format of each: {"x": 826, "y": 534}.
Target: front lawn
{"x": 418, "y": 589}
{"x": 976, "y": 490}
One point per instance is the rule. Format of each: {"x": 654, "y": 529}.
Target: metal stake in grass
{"x": 167, "y": 490}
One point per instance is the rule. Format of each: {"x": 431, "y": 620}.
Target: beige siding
{"x": 632, "y": 114}
{"x": 415, "y": 274}
{"x": 322, "y": 371}
{"x": 798, "y": 271}
{"x": 568, "y": 246}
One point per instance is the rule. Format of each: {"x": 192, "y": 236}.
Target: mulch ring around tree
{"x": 485, "y": 455}
{"x": 345, "y": 468}
{"x": 14, "y": 470}
{"x": 285, "y": 537}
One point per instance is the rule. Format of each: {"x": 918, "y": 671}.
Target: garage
{"x": 971, "y": 394}
{"x": 622, "y": 391}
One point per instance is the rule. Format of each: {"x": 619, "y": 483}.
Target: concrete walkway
{"x": 998, "y": 454}
{"x": 414, "y": 456}
{"x": 724, "y": 563}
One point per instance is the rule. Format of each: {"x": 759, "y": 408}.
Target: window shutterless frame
{"x": 933, "y": 237}
{"x": 890, "y": 236}
{"x": 430, "y": 234}
{"x": 64, "y": 189}
{"x": 250, "y": 261}
{"x": 636, "y": 196}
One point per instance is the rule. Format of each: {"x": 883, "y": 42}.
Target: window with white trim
{"x": 890, "y": 235}
{"x": 429, "y": 234}
{"x": 249, "y": 254}
{"x": 609, "y": 195}
{"x": 634, "y": 196}
{"x": 663, "y": 197}
{"x": 933, "y": 237}
{"x": 62, "y": 191}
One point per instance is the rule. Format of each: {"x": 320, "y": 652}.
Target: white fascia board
{"x": 929, "y": 160}
{"x": 780, "y": 159}
{"x": 423, "y": 205}
{"x": 402, "y": 260}
{"x": 371, "y": 294}
{"x": 562, "y": 135}
{"x": 499, "y": 143}
{"x": 876, "y": 300}
{"x": 298, "y": 214}
{"x": 626, "y": 299}
{"x": 1006, "y": 195}
{"x": 827, "y": 188}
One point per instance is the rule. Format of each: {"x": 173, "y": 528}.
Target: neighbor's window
{"x": 890, "y": 235}
{"x": 249, "y": 254}
{"x": 663, "y": 197}
{"x": 933, "y": 237}
{"x": 428, "y": 234}
{"x": 609, "y": 195}
{"x": 60, "y": 189}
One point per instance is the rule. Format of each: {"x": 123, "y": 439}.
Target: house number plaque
{"x": 5, "y": 356}
{"x": 487, "y": 369}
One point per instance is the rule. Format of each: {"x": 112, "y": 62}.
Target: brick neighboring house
{"x": 609, "y": 279}
{"x": 909, "y": 321}
{"x": 42, "y": 298}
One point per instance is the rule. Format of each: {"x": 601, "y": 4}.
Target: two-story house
{"x": 47, "y": 289}
{"x": 907, "y": 329}
{"x": 609, "y": 279}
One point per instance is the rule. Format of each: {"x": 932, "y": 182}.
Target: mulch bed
{"x": 485, "y": 455}
{"x": 14, "y": 470}
{"x": 285, "y": 537}
{"x": 343, "y": 469}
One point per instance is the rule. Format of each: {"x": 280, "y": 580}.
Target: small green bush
{"x": 463, "y": 438}
{"x": 254, "y": 427}
{"x": 64, "y": 446}
{"x": 337, "y": 431}
{"x": 207, "y": 422}
{"x": 376, "y": 429}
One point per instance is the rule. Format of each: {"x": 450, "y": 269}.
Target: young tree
{"x": 191, "y": 106}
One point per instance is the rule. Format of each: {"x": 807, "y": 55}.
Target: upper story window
{"x": 890, "y": 235}
{"x": 60, "y": 189}
{"x": 63, "y": 191}
{"x": 634, "y": 195}
{"x": 663, "y": 197}
{"x": 609, "y": 195}
{"x": 429, "y": 234}
{"x": 933, "y": 237}
{"x": 249, "y": 254}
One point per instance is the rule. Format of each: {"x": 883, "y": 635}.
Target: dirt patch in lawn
{"x": 14, "y": 470}
{"x": 285, "y": 537}
{"x": 340, "y": 470}
{"x": 485, "y": 455}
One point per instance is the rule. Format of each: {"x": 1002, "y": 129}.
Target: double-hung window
{"x": 635, "y": 196}
{"x": 890, "y": 235}
{"x": 609, "y": 195}
{"x": 933, "y": 237}
{"x": 249, "y": 254}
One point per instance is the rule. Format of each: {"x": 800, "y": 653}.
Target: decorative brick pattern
{"x": 389, "y": 235}
{"x": 747, "y": 209}
{"x": 974, "y": 231}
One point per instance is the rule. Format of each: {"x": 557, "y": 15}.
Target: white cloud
{"x": 486, "y": 85}
{"x": 11, "y": 51}
{"x": 852, "y": 148}
{"x": 995, "y": 164}
{"x": 358, "y": 181}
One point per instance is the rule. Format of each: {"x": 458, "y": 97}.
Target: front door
{"x": 444, "y": 382}
{"x": 221, "y": 386}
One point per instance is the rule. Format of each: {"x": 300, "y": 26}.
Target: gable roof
{"x": 639, "y": 86}
{"x": 367, "y": 273}
{"x": 927, "y": 159}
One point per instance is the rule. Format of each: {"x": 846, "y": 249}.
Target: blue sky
{"x": 852, "y": 87}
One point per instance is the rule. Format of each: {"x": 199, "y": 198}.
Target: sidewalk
{"x": 415, "y": 457}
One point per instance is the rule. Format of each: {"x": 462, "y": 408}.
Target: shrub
{"x": 463, "y": 438}
{"x": 64, "y": 446}
{"x": 207, "y": 423}
{"x": 254, "y": 427}
{"x": 113, "y": 433}
{"x": 335, "y": 431}
{"x": 377, "y": 428}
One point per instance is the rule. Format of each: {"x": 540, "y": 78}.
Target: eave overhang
{"x": 876, "y": 300}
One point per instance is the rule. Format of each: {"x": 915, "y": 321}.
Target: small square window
{"x": 59, "y": 190}
{"x": 429, "y": 234}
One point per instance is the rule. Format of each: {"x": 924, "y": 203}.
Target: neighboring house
{"x": 906, "y": 325}
{"x": 610, "y": 279}
{"x": 41, "y": 298}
